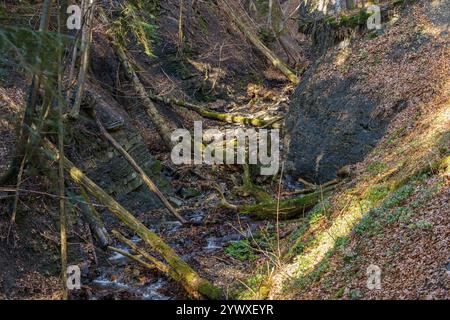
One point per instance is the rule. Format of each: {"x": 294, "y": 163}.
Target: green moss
{"x": 255, "y": 287}
{"x": 354, "y": 21}
{"x": 339, "y": 293}
{"x": 421, "y": 224}
{"x": 371, "y": 224}
{"x": 298, "y": 245}
{"x": 288, "y": 209}
{"x": 241, "y": 250}
{"x": 376, "y": 168}
{"x": 375, "y": 194}
{"x": 210, "y": 291}
{"x": 399, "y": 196}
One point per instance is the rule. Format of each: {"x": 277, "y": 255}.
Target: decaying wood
{"x": 288, "y": 209}
{"x": 248, "y": 187}
{"x": 145, "y": 178}
{"x": 224, "y": 117}
{"x": 262, "y": 48}
{"x": 195, "y": 285}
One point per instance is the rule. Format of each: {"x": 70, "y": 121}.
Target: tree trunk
{"x": 288, "y": 209}
{"x": 86, "y": 40}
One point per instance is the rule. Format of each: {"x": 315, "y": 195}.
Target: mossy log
{"x": 262, "y": 48}
{"x": 191, "y": 281}
{"x": 224, "y": 117}
{"x": 287, "y": 209}
{"x": 248, "y": 187}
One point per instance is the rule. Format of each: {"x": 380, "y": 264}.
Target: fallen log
{"x": 145, "y": 178}
{"x": 249, "y": 188}
{"x": 224, "y": 117}
{"x": 276, "y": 61}
{"x": 287, "y": 209}
{"x": 196, "y": 286}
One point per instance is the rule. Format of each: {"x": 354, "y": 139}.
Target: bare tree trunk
{"x": 61, "y": 186}
{"x": 181, "y": 28}
{"x": 86, "y": 40}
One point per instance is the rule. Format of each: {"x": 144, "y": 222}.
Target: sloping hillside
{"x": 394, "y": 211}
